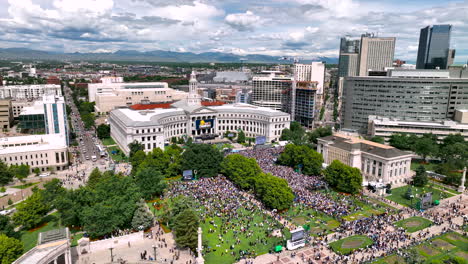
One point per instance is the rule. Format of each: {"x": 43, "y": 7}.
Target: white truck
{"x": 93, "y": 158}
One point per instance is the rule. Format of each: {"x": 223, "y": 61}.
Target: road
{"x": 86, "y": 138}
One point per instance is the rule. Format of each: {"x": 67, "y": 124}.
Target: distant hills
{"x": 149, "y": 56}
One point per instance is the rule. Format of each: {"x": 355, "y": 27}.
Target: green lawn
{"x": 75, "y": 237}
{"x": 258, "y": 242}
{"x": 108, "y": 141}
{"x": 440, "y": 249}
{"x": 258, "y": 227}
{"x": 399, "y": 193}
{"x": 319, "y": 223}
{"x": 347, "y": 245}
{"x": 29, "y": 237}
{"x": 414, "y": 223}
{"x": 24, "y": 186}
{"x": 116, "y": 157}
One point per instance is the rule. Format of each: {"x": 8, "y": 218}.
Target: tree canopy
{"x": 420, "y": 178}
{"x": 203, "y": 158}
{"x": 186, "y": 229}
{"x": 103, "y": 131}
{"x": 151, "y": 182}
{"x": 5, "y": 174}
{"x": 30, "y": 212}
{"x": 10, "y": 249}
{"x": 274, "y": 192}
{"x": 240, "y": 170}
{"x": 302, "y": 157}
{"x": 343, "y": 177}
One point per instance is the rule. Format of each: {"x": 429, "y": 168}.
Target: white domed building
{"x": 155, "y": 126}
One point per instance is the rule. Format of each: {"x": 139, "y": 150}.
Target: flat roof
{"x": 32, "y": 143}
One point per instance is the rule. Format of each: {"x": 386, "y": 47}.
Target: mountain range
{"x": 147, "y": 56}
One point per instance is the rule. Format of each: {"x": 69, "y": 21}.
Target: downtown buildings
{"x": 434, "y": 48}
{"x": 189, "y": 117}
{"x": 300, "y": 95}
{"x": 408, "y": 95}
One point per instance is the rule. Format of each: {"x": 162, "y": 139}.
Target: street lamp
{"x": 154, "y": 248}
{"x": 112, "y": 256}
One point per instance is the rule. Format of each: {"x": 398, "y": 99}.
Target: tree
{"x": 52, "y": 190}
{"x": 103, "y": 131}
{"x": 36, "y": 171}
{"x": 20, "y": 171}
{"x": 203, "y": 158}
{"x": 285, "y": 134}
{"x": 5, "y": 174}
{"x": 412, "y": 256}
{"x": 94, "y": 177}
{"x": 88, "y": 120}
{"x": 134, "y": 147}
{"x": 318, "y": 133}
{"x": 240, "y": 170}
{"x": 241, "y": 137}
{"x": 425, "y": 146}
{"x": 142, "y": 217}
{"x": 378, "y": 139}
{"x": 297, "y": 133}
{"x": 302, "y": 157}
{"x": 7, "y": 228}
{"x": 274, "y": 192}
{"x": 400, "y": 141}
{"x": 343, "y": 177}
{"x": 151, "y": 182}
{"x": 420, "y": 179}
{"x": 30, "y": 212}
{"x": 186, "y": 229}
{"x": 10, "y": 249}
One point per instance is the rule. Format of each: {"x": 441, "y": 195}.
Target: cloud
{"x": 243, "y": 21}
{"x": 302, "y": 28}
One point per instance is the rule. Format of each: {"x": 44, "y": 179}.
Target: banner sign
{"x": 203, "y": 124}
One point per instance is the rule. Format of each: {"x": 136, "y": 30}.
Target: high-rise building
{"x": 376, "y": 53}
{"x": 6, "y": 114}
{"x": 305, "y": 103}
{"x": 269, "y": 87}
{"x": 33, "y": 91}
{"x": 349, "y": 57}
{"x": 410, "y": 95}
{"x": 434, "y": 47}
{"x": 48, "y": 115}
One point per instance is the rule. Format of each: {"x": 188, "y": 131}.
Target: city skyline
{"x": 303, "y": 28}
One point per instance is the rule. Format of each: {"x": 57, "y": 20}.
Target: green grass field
{"x": 256, "y": 239}
{"x": 24, "y": 186}
{"x": 116, "y": 157}
{"x": 347, "y": 245}
{"x": 258, "y": 228}
{"x": 414, "y": 223}
{"x": 447, "y": 248}
{"x": 319, "y": 223}
{"x": 398, "y": 194}
{"x": 29, "y": 237}
{"x": 108, "y": 141}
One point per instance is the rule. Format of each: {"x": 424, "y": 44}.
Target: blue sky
{"x": 301, "y": 28}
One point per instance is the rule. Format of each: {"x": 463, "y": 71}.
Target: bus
{"x": 101, "y": 151}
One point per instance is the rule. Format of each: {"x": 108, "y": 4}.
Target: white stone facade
{"x": 154, "y": 128}
{"x": 378, "y": 163}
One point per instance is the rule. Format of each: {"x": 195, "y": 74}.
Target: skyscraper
{"x": 376, "y": 53}
{"x": 434, "y": 47}
{"x": 268, "y": 89}
{"x": 349, "y": 57}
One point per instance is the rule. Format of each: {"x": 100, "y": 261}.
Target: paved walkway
{"x": 309, "y": 253}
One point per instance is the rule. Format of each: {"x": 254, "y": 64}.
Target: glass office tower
{"x": 434, "y": 47}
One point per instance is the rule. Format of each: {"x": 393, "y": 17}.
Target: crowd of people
{"x": 229, "y": 213}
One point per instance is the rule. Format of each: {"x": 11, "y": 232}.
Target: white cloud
{"x": 243, "y": 21}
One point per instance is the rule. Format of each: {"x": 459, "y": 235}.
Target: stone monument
{"x": 199, "y": 259}
{"x": 461, "y": 188}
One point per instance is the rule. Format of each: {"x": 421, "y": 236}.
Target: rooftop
{"x": 52, "y": 236}
{"x": 30, "y": 143}
{"x": 350, "y": 143}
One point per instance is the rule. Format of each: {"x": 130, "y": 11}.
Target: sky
{"x": 305, "y": 29}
